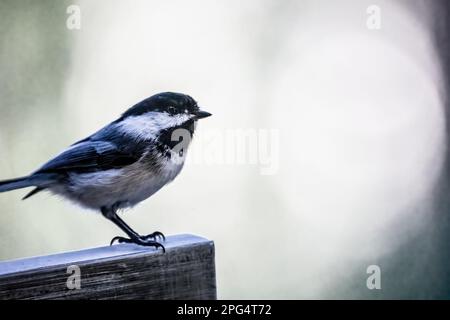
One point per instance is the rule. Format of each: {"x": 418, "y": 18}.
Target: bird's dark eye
{"x": 172, "y": 110}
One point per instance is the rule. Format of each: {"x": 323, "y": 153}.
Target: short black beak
{"x": 201, "y": 114}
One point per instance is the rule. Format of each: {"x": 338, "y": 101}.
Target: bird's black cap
{"x": 170, "y": 102}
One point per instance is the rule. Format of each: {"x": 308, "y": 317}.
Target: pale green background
{"x": 358, "y": 112}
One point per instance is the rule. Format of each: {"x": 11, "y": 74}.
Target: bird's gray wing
{"x": 90, "y": 156}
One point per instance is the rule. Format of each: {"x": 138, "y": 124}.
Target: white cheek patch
{"x": 150, "y": 124}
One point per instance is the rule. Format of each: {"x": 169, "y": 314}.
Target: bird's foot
{"x": 147, "y": 241}
{"x": 155, "y": 236}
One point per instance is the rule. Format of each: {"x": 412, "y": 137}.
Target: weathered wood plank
{"x": 125, "y": 271}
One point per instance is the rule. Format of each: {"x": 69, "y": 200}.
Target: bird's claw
{"x": 143, "y": 241}
{"x": 120, "y": 240}
{"x": 155, "y": 236}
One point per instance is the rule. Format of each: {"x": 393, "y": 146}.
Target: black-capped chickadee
{"x": 124, "y": 163}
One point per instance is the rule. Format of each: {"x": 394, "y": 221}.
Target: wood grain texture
{"x": 124, "y": 271}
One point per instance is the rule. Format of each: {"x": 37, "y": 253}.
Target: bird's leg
{"x": 134, "y": 237}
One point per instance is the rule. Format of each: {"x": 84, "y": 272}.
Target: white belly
{"x": 127, "y": 186}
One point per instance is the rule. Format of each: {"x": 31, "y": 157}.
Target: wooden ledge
{"x": 124, "y": 271}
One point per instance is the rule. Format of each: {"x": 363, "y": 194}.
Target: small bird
{"x": 123, "y": 163}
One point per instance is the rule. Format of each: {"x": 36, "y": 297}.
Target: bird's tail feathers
{"x": 38, "y": 180}
{"x": 12, "y": 184}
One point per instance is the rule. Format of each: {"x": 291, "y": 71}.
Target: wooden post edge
{"x": 123, "y": 271}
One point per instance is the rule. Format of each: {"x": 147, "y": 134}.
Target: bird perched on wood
{"x": 123, "y": 163}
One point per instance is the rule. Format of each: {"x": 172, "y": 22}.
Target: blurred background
{"x": 359, "y": 116}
